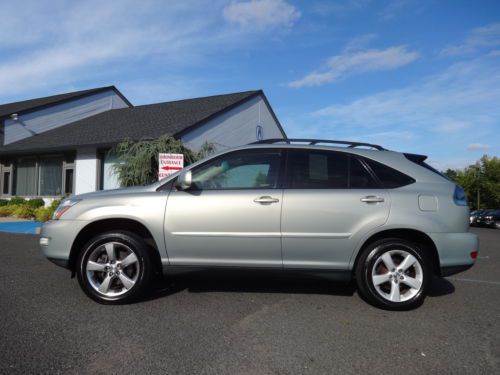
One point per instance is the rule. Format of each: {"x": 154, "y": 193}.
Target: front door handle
{"x": 266, "y": 200}
{"x": 372, "y": 199}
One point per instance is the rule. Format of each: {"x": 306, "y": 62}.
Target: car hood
{"x": 116, "y": 192}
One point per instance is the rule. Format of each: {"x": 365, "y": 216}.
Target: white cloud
{"x": 451, "y": 126}
{"x": 261, "y": 14}
{"x": 391, "y": 135}
{"x": 450, "y": 163}
{"x": 395, "y": 7}
{"x": 338, "y": 8}
{"x": 465, "y": 93}
{"x": 478, "y": 146}
{"x": 359, "y": 42}
{"x": 86, "y": 43}
{"x": 61, "y": 45}
{"x": 440, "y": 115}
{"x": 349, "y": 63}
{"x": 482, "y": 37}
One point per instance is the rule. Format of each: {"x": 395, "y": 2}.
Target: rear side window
{"x": 389, "y": 177}
{"x": 317, "y": 170}
{"x": 311, "y": 169}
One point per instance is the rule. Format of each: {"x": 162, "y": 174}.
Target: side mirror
{"x": 184, "y": 180}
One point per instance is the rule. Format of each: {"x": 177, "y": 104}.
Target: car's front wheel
{"x": 394, "y": 274}
{"x": 114, "y": 267}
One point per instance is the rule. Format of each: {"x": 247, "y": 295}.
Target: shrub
{"x": 138, "y": 161}
{"x": 7, "y": 210}
{"x": 35, "y": 203}
{"x": 43, "y": 214}
{"x": 53, "y": 206}
{"x": 3, "y": 202}
{"x": 24, "y": 212}
{"x": 15, "y": 201}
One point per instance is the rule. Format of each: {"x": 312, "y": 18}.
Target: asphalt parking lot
{"x": 244, "y": 324}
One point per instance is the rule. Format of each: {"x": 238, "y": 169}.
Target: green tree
{"x": 138, "y": 160}
{"x": 481, "y": 182}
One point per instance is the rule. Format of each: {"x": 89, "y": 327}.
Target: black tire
{"x": 142, "y": 267}
{"x": 371, "y": 257}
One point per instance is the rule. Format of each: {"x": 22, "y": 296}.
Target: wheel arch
{"x": 405, "y": 234}
{"x": 119, "y": 224}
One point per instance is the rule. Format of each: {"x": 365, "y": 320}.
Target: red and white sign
{"x": 169, "y": 164}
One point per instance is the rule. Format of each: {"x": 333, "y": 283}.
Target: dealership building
{"x": 59, "y": 145}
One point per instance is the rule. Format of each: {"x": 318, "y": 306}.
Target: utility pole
{"x": 478, "y": 197}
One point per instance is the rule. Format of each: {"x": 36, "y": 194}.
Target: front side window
{"x": 255, "y": 169}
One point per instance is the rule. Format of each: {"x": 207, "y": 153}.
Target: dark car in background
{"x": 489, "y": 218}
{"x": 475, "y": 214}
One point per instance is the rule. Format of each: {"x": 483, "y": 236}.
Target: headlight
{"x": 64, "y": 206}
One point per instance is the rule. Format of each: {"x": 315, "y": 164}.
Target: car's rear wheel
{"x": 114, "y": 267}
{"x": 394, "y": 274}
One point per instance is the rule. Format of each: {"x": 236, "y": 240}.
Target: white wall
{"x": 236, "y": 127}
{"x": 60, "y": 114}
{"x": 86, "y": 170}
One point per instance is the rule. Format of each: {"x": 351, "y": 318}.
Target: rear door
{"x": 330, "y": 200}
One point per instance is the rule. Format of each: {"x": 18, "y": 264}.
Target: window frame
{"x": 281, "y": 165}
{"x": 39, "y": 177}
{"x": 350, "y": 157}
{"x": 6, "y": 167}
{"x": 67, "y": 162}
{"x": 65, "y": 168}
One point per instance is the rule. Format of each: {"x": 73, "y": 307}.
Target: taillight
{"x": 459, "y": 196}
{"x": 473, "y": 254}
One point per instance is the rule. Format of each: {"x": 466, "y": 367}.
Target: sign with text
{"x": 169, "y": 164}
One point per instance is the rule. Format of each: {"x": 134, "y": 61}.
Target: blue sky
{"x": 419, "y": 76}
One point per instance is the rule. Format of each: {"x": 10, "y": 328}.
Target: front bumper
{"x": 455, "y": 251}
{"x": 57, "y": 237}
{"x": 485, "y": 222}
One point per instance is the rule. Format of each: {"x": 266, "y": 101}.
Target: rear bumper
{"x": 454, "y": 250}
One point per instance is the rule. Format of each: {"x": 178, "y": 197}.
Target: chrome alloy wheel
{"x": 397, "y": 276}
{"x": 112, "y": 269}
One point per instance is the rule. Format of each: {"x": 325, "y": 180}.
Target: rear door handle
{"x": 266, "y": 200}
{"x": 372, "y": 199}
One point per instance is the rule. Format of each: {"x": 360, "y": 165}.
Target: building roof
{"x": 140, "y": 122}
{"x": 38, "y": 103}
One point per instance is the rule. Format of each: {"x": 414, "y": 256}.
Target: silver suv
{"x": 383, "y": 218}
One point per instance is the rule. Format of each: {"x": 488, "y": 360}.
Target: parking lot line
{"x": 474, "y": 281}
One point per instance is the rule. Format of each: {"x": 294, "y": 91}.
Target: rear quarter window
{"x": 390, "y": 178}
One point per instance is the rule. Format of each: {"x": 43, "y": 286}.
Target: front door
{"x": 230, "y": 215}
{"x": 330, "y": 200}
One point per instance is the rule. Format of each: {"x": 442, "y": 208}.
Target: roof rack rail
{"x": 316, "y": 141}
